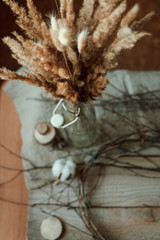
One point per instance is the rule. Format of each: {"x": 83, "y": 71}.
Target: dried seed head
{"x": 82, "y": 38}
{"x": 130, "y": 16}
{"x": 80, "y": 83}
{"x": 54, "y": 24}
{"x": 63, "y": 73}
{"x": 63, "y": 36}
{"x": 56, "y": 41}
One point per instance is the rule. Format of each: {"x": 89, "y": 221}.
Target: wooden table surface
{"x": 13, "y": 217}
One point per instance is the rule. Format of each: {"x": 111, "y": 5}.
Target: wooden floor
{"x": 13, "y": 217}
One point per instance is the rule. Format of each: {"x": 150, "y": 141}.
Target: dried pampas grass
{"x": 70, "y": 57}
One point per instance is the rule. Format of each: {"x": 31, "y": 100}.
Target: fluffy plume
{"x": 107, "y": 26}
{"x": 85, "y": 15}
{"x": 127, "y": 42}
{"x": 125, "y": 30}
{"x": 63, "y": 36}
{"x": 63, "y": 9}
{"x": 54, "y": 24}
{"x": 70, "y": 14}
{"x": 71, "y": 57}
{"x": 55, "y": 40}
{"x": 130, "y": 16}
{"x": 82, "y": 39}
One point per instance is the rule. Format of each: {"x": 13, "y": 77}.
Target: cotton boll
{"x": 57, "y": 170}
{"x": 63, "y": 36}
{"x": 69, "y": 170}
{"x": 66, "y": 173}
{"x": 57, "y": 167}
{"x": 64, "y": 169}
{"x": 70, "y": 163}
{"x": 123, "y": 32}
{"x": 72, "y": 167}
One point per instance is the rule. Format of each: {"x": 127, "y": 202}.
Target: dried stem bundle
{"x": 71, "y": 57}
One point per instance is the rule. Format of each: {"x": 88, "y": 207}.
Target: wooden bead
{"x": 42, "y": 128}
{"x": 51, "y": 228}
{"x": 44, "y": 133}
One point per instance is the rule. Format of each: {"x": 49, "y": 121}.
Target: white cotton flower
{"x": 124, "y": 32}
{"x": 63, "y": 36}
{"x": 64, "y": 169}
{"x": 82, "y": 38}
{"x": 54, "y": 24}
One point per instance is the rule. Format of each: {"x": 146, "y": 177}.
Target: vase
{"x": 83, "y": 132}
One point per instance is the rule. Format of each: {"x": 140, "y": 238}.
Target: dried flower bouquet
{"x": 71, "y": 56}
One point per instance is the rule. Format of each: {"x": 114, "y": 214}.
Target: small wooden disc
{"x": 51, "y": 228}
{"x": 45, "y": 137}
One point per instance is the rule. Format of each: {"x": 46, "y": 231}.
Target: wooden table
{"x": 13, "y": 216}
